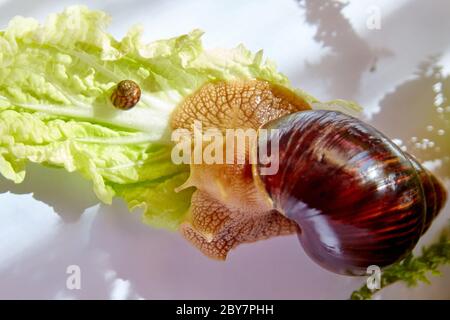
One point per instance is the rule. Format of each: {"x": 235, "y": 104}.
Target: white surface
{"x": 53, "y": 220}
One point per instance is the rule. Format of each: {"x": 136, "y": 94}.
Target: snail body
{"x": 351, "y": 195}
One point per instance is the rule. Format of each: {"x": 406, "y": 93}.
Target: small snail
{"x": 351, "y": 195}
{"x": 126, "y": 95}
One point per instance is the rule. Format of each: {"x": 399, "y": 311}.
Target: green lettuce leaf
{"x": 56, "y": 80}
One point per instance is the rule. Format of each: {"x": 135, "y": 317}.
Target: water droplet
{"x": 431, "y": 144}
{"x": 438, "y": 100}
{"x": 430, "y": 128}
{"x": 437, "y": 87}
{"x": 441, "y": 132}
{"x": 414, "y": 139}
{"x": 404, "y": 148}
{"x": 418, "y": 145}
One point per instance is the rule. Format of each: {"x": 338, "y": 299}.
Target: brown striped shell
{"x": 357, "y": 198}
{"x": 126, "y": 95}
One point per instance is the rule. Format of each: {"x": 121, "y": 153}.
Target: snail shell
{"x": 357, "y": 198}
{"x": 126, "y": 95}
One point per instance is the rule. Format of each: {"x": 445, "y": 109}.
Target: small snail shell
{"x": 126, "y": 95}
{"x": 357, "y": 198}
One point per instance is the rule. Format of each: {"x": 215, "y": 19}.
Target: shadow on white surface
{"x": 110, "y": 245}
{"x": 349, "y": 56}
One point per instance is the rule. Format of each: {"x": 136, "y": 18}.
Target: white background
{"x": 53, "y": 220}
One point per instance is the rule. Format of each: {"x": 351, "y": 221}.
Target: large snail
{"x": 353, "y": 197}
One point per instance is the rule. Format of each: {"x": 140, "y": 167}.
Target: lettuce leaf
{"x": 56, "y": 80}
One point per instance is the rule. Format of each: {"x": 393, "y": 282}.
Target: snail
{"x": 126, "y": 95}
{"x": 351, "y": 195}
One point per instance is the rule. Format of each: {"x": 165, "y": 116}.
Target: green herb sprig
{"x": 413, "y": 270}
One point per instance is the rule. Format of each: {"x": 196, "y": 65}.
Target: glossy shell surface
{"x": 358, "y": 199}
